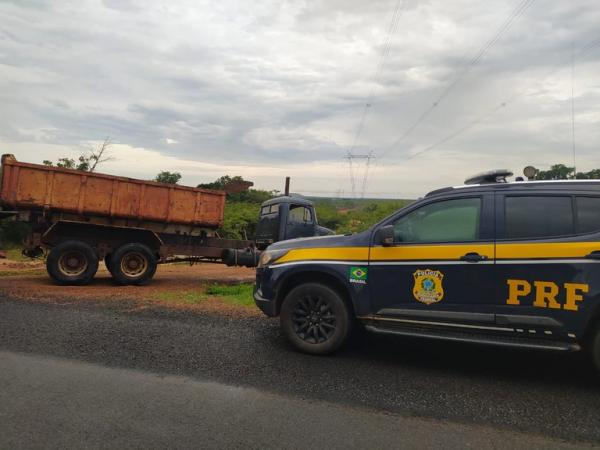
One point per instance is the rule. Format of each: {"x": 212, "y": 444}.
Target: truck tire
{"x": 72, "y": 263}
{"x": 315, "y": 318}
{"x": 133, "y": 264}
{"x": 108, "y": 263}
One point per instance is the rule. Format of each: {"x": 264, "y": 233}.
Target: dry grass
{"x": 22, "y": 273}
{"x": 199, "y": 288}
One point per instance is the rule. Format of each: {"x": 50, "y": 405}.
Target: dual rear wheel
{"x": 72, "y": 263}
{"x": 76, "y": 263}
{"x": 132, "y": 264}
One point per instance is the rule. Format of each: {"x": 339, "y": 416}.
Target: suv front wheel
{"x": 315, "y": 318}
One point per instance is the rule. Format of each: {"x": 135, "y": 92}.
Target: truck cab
{"x": 287, "y": 217}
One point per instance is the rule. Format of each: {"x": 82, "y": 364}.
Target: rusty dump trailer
{"x": 80, "y": 218}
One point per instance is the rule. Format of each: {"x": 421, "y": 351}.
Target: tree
{"x": 238, "y": 189}
{"x": 100, "y": 155}
{"x": 86, "y": 162}
{"x": 168, "y": 177}
{"x": 591, "y": 175}
{"x": 562, "y": 172}
{"x": 231, "y": 185}
{"x": 220, "y": 183}
{"x": 556, "y": 172}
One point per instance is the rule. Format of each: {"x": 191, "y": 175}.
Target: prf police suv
{"x": 494, "y": 262}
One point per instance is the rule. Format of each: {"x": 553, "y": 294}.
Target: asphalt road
{"x": 124, "y": 378}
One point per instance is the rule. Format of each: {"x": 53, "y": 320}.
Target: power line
{"x": 366, "y": 174}
{"x": 351, "y": 157}
{"x": 387, "y": 45}
{"x": 458, "y": 132}
{"x": 585, "y": 49}
{"x": 590, "y": 46}
{"x": 517, "y": 12}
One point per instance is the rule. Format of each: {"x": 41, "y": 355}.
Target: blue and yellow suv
{"x": 495, "y": 262}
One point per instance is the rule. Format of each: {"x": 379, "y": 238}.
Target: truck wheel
{"x": 315, "y": 318}
{"x": 108, "y": 262}
{"x": 133, "y": 264}
{"x": 72, "y": 263}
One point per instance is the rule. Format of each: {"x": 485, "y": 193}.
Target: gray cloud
{"x": 281, "y": 84}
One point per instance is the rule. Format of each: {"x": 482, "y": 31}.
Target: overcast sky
{"x": 268, "y": 88}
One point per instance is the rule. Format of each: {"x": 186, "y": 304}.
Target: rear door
{"x": 442, "y": 259}
{"x": 547, "y": 267}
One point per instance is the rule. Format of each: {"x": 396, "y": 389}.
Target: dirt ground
{"x": 174, "y": 285}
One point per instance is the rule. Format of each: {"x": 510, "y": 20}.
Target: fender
{"x": 94, "y": 234}
{"x": 285, "y": 280}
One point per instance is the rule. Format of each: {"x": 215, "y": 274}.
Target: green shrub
{"x": 240, "y": 294}
{"x": 13, "y": 233}
{"x": 340, "y": 215}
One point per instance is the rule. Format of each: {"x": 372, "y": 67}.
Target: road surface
{"x": 116, "y": 377}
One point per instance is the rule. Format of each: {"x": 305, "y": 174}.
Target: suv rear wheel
{"x": 315, "y": 318}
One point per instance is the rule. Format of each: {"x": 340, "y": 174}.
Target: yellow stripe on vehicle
{"x": 326, "y": 254}
{"x": 546, "y": 250}
{"x": 431, "y": 252}
{"x": 445, "y": 252}
{"x": 398, "y": 253}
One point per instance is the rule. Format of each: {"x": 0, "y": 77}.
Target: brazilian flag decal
{"x": 358, "y": 275}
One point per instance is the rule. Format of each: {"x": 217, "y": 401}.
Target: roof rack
{"x": 491, "y": 176}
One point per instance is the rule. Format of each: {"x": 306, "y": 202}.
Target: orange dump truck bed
{"x": 38, "y": 187}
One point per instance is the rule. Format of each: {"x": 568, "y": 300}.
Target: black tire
{"x": 72, "y": 263}
{"x": 595, "y": 348}
{"x": 133, "y": 264}
{"x": 108, "y": 262}
{"x": 315, "y": 318}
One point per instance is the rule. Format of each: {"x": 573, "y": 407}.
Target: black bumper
{"x": 265, "y": 305}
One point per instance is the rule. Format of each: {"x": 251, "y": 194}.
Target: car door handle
{"x": 594, "y": 255}
{"x": 473, "y": 257}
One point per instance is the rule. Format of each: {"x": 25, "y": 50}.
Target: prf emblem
{"x": 428, "y": 286}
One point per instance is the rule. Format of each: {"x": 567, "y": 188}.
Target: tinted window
{"x": 537, "y": 217}
{"x": 446, "y": 221}
{"x": 588, "y": 214}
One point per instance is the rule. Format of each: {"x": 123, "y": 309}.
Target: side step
{"x": 461, "y": 336}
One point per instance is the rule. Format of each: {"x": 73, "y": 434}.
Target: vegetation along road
{"x": 113, "y": 374}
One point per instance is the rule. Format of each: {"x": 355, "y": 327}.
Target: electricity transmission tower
{"x": 351, "y": 157}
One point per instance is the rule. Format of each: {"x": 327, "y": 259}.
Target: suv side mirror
{"x": 385, "y": 235}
